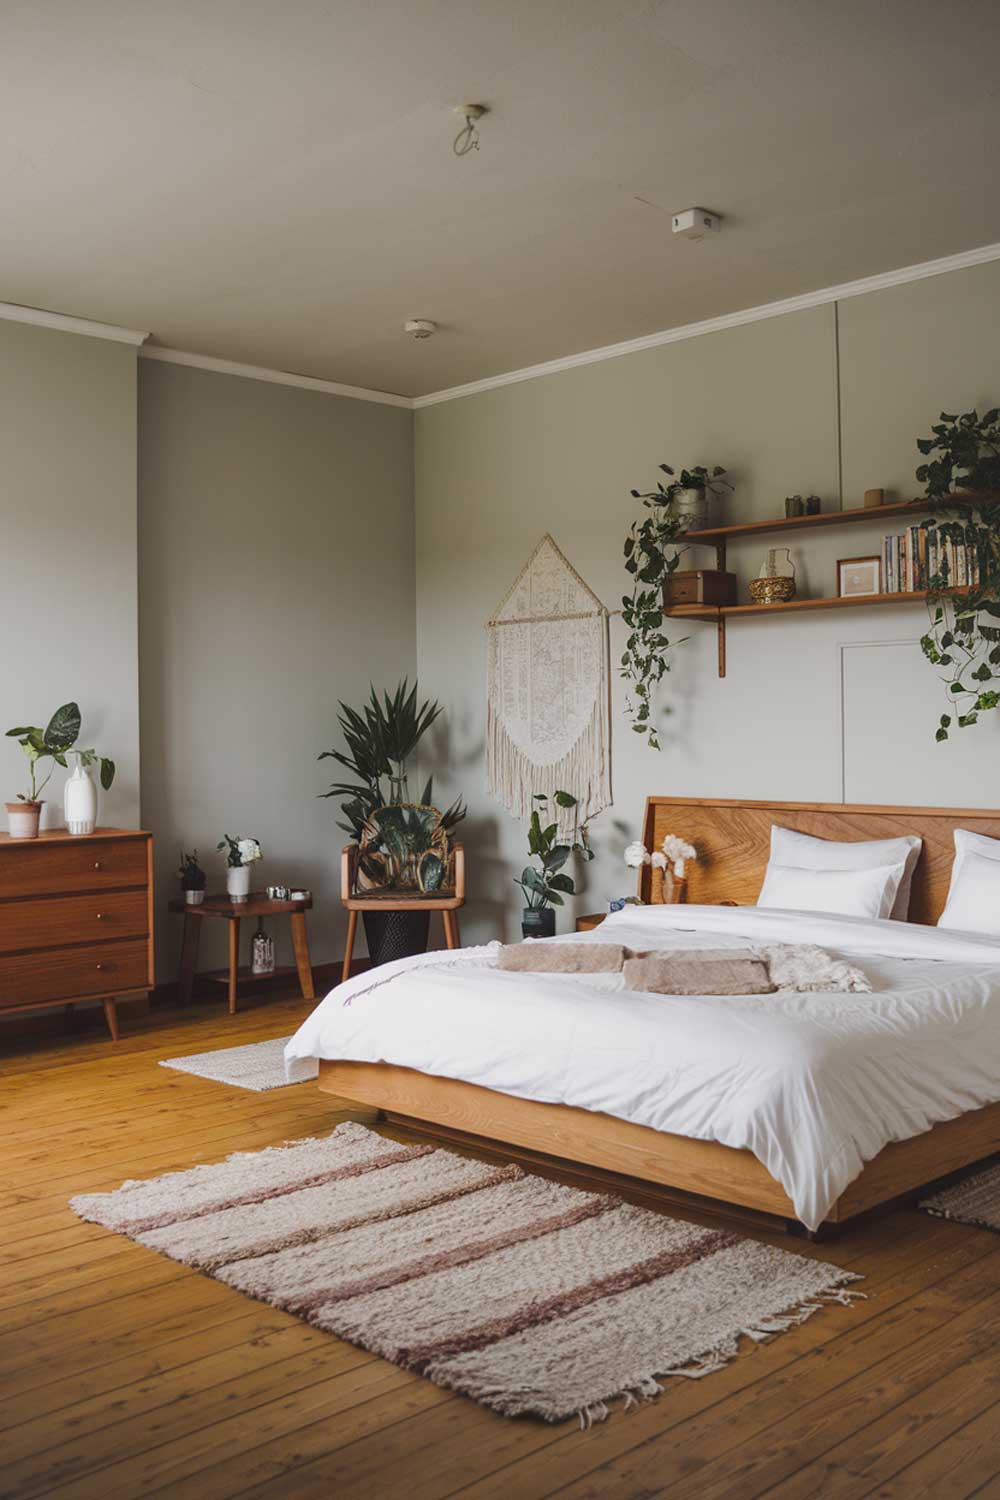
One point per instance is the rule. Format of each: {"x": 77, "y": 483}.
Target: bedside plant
{"x": 650, "y": 557}
{"x": 545, "y": 885}
{"x": 54, "y": 743}
{"x": 962, "y": 483}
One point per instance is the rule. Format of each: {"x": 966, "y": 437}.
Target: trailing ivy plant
{"x": 962, "y": 482}
{"x": 651, "y": 556}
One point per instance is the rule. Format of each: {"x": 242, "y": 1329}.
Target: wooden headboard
{"x": 733, "y": 841}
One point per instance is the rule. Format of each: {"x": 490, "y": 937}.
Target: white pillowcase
{"x": 843, "y": 893}
{"x": 973, "y": 903}
{"x": 804, "y": 852}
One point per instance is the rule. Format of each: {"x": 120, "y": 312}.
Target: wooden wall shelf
{"x": 716, "y": 611}
{"x": 719, "y": 536}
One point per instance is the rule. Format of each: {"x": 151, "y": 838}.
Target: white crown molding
{"x": 829, "y": 294}
{"x": 275, "y": 377}
{"x": 13, "y": 312}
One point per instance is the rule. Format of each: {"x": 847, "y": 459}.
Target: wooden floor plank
{"x": 126, "y": 1375}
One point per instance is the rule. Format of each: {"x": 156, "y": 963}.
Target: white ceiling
{"x": 273, "y": 182}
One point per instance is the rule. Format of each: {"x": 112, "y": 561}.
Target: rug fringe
{"x": 647, "y": 1389}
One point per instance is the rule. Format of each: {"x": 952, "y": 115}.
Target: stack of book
{"x": 911, "y": 559}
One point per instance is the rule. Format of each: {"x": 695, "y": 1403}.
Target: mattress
{"x": 815, "y": 1085}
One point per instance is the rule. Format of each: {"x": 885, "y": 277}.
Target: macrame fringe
{"x": 713, "y": 1360}
{"x": 585, "y": 771}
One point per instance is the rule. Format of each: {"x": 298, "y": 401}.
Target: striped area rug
{"x": 529, "y": 1296}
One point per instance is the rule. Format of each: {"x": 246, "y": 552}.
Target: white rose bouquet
{"x": 242, "y": 851}
{"x": 675, "y": 852}
{"x": 636, "y": 855}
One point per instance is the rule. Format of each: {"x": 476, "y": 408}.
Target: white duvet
{"x": 813, "y": 1084}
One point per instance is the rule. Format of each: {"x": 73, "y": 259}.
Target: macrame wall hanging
{"x": 548, "y": 712}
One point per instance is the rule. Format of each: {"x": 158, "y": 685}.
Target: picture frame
{"x": 858, "y": 576}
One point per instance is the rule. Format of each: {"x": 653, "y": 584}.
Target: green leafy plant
{"x": 192, "y": 876}
{"x": 55, "y": 742}
{"x": 381, "y": 737}
{"x": 545, "y": 884}
{"x": 650, "y": 557}
{"x": 962, "y": 482}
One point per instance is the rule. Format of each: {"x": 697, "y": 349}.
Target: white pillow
{"x": 843, "y": 893}
{"x": 974, "y": 898}
{"x": 967, "y": 842}
{"x": 804, "y": 852}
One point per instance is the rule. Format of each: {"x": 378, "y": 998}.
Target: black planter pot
{"x": 395, "y": 934}
{"x": 538, "y": 923}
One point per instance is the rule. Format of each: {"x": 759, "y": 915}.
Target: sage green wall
{"x": 276, "y": 577}
{"x": 560, "y": 453}
{"x": 68, "y": 545}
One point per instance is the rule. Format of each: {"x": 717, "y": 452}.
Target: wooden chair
{"x": 447, "y": 904}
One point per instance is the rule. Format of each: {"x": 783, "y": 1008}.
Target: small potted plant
{"x": 193, "y": 878}
{"x": 689, "y": 494}
{"x": 545, "y": 885}
{"x": 54, "y": 743}
{"x": 242, "y": 853}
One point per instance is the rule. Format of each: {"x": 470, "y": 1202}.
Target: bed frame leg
{"x": 824, "y": 1235}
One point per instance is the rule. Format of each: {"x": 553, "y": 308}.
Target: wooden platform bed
{"x": 733, "y": 840}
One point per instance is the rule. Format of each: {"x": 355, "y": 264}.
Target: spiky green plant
{"x": 381, "y": 738}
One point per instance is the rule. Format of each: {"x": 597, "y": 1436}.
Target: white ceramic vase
{"x": 238, "y": 882}
{"x": 80, "y": 800}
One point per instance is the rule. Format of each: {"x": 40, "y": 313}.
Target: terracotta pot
{"x": 22, "y": 819}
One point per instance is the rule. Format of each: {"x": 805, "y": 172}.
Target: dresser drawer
{"x": 97, "y": 969}
{"x": 47, "y": 921}
{"x": 42, "y": 869}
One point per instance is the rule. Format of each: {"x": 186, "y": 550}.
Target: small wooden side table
{"x": 223, "y": 907}
{"x": 588, "y": 923}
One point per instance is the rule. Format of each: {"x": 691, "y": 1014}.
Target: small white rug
{"x": 258, "y": 1066}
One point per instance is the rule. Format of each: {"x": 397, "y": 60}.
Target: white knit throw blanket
{"x": 548, "y": 716}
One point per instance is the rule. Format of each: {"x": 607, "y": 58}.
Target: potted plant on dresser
{"x": 54, "y": 743}
{"x": 552, "y": 844}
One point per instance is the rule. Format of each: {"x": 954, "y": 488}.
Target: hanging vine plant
{"x": 651, "y": 555}
{"x": 962, "y": 481}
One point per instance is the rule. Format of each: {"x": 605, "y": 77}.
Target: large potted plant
{"x": 651, "y": 555}
{"x": 551, "y": 844}
{"x": 961, "y": 481}
{"x": 404, "y": 851}
{"x": 54, "y": 743}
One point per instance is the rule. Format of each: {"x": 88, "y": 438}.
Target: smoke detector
{"x": 696, "y": 223}
{"x": 419, "y": 328}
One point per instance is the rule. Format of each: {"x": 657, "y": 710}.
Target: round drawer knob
{"x": 100, "y": 966}
{"x": 100, "y": 916}
{"x": 97, "y": 864}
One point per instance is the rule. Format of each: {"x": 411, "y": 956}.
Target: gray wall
{"x": 276, "y": 577}
{"x": 816, "y": 707}
{"x": 68, "y": 548}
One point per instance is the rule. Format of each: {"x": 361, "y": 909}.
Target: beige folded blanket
{"x": 689, "y": 975}
{"x": 561, "y": 958}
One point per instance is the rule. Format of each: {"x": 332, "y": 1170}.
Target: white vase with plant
{"x": 242, "y": 853}
{"x": 54, "y": 743}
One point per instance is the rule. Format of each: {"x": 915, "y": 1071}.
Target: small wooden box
{"x": 699, "y": 586}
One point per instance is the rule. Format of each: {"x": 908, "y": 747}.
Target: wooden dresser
{"x": 76, "y": 919}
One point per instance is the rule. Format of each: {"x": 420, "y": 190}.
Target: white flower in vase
{"x": 658, "y": 860}
{"x": 250, "y": 851}
{"x": 676, "y": 851}
{"x": 636, "y": 855}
